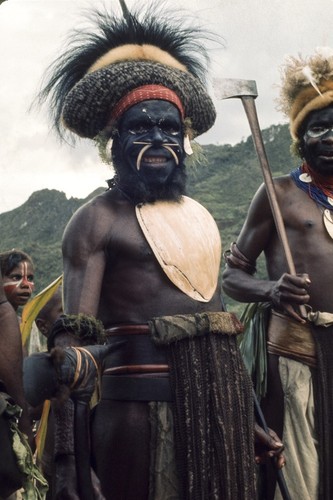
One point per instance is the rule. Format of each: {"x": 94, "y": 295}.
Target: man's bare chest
{"x": 302, "y": 215}
{"x": 181, "y": 238}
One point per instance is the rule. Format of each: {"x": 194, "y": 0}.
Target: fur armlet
{"x": 235, "y": 258}
{"x": 86, "y": 328}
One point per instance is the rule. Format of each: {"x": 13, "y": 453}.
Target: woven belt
{"x": 127, "y": 330}
{"x": 136, "y": 369}
{"x": 138, "y": 348}
{"x": 289, "y": 338}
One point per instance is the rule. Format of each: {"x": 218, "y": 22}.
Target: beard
{"x": 148, "y": 189}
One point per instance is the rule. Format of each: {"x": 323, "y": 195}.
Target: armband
{"x": 86, "y": 328}
{"x": 236, "y": 259}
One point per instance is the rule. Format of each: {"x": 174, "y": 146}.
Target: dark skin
{"x": 309, "y": 242}
{"x": 110, "y": 272}
{"x": 18, "y": 284}
{"x": 49, "y": 313}
{"x": 109, "y": 252}
{"x": 11, "y": 360}
{"x": 311, "y": 248}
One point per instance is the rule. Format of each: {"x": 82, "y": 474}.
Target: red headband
{"x": 146, "y": 93}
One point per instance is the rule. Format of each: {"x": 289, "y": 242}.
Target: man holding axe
{"x": 296, "y": 210}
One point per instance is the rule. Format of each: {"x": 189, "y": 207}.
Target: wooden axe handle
{"x": 279, "y": 474}
{"x": 251, "y": 113}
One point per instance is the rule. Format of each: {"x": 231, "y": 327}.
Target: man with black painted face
{"x": 148, "y": 153}
{"x": 297, "y": 402}
{"x": 175, "y": 418}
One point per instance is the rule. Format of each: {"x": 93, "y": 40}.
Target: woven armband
{"x": 236, "y": 259}
{"x": 64, "y": 428}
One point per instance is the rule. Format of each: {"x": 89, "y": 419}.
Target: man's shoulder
{"x": 285, "y": 183}
{"x": 97, "y": 212}
{"x": 100, "y": 202}
{"x": 106, "y": 198}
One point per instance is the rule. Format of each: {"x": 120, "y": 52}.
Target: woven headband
{"x": 145, "y": 93}
{"x": 309, "y": 100}
{"x": 92, "y": 101}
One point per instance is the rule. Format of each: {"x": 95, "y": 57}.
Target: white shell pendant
{"x": 330, "y": 200}
{"x": 305, "y": 178}
{"x": 328, "y": 221}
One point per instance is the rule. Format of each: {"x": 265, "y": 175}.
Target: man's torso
{"x": 310, "y": 244}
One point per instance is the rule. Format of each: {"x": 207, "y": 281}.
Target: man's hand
{"x": 268, "y": 446}
{"x": 290, "y": 291}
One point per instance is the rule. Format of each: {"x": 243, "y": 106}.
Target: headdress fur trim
{"x": 136, "y": 52}
{"x": 307, "y": 85}
{"x": 309, "y": 100}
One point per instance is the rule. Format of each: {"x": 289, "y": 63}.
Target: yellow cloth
{"x": 301, "y": 446}
{"x": 32, "y": 308}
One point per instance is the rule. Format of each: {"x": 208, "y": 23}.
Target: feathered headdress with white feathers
{"x": 307, "y": 85}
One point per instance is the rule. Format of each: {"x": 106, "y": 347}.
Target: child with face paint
{"x": 17, "y": 269}
{"x": 18, "y": 274}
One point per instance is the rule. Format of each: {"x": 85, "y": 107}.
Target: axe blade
{"x": 227, "y": 88}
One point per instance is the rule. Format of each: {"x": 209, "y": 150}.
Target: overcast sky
{"x": 257, "y": 34}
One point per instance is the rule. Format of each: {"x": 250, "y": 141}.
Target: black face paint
{"x": 149, "y": 153}
{"x": 317, "y": 144}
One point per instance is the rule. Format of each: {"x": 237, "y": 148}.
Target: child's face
{"x": 19, "y": 285}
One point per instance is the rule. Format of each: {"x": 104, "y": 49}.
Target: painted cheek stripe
{"x": 12, "y": 284}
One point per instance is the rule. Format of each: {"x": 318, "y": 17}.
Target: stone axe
{"x": 246, "y": 90}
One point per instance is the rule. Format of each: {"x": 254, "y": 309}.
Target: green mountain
{"x": 36, "y": 227}
{"x": 224, "y": 185}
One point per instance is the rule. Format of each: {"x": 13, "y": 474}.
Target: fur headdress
{"x": 307, "y": 85}
{"x": 102, "y": 67}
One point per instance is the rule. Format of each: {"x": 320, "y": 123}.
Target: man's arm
{"x": 84, "y": 260}
{"x": 286, "y": 292}
{"x": 84, "y": 264}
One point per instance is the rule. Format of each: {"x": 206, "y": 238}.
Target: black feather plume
{"x": 174, "y": 32}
